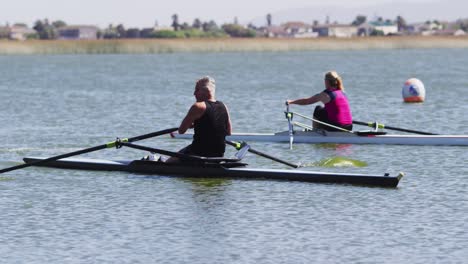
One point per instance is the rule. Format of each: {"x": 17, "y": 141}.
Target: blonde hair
{"x": 334, "y": 80}
{"x": 208, "y": 83}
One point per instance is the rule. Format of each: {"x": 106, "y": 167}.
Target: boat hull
{"x": 217, "y": 171}
{"x": 345, "y": 138}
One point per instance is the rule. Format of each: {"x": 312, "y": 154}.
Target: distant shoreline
{"x": 154, "y": 46}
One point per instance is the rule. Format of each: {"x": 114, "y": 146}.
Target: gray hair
{"x": 208, "y": 83}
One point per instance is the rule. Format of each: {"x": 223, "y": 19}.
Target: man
{"x": 210, "y": 120}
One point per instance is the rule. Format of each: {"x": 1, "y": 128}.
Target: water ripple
{"x": 57, "y": 216}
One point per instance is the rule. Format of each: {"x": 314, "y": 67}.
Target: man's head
{"x": 205, "y": 89}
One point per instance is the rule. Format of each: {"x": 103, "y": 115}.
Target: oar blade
{"x": 243, "y": 151}
{"x": 87, "y": 150}
{"x": 43, "y": 161}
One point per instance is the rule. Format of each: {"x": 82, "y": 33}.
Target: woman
{"x": 336, "y": 111}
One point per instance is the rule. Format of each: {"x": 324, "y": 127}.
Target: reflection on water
{"x": 6, "y": 178}
{"x": 207, "y": 184}
{"x": 339, "y": 162}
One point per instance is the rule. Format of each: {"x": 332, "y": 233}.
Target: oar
{"x": 323, "y": 123}
{"x": 239, "y": 146}
{"x": 78, "y": 152}
{"x": 177, "y": 154}
{"x": 290, "y": 125}
{"x": 382, "y": 126}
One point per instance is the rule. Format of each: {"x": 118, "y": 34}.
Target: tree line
{"x": 198, "y": 29}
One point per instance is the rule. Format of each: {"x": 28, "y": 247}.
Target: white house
{"x": 299, "y": 30}
{"x": 21, "y": 32}
{"x": 386, "y": 27}
{"x": 336, "y": 30}
{"x": 342, "y": 31}
{"x": 275, "y": 32}
{"x": 77, "y": 32}
{"x": 448, "y": 32}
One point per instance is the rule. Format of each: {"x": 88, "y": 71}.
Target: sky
{"x": 145, "y": 13}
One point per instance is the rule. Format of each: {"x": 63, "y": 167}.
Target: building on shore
{"x": 336, "y": 30}
{"x": 445, "y": 32}
{"x": 378, "y": 27}
{"x": 273, "y": 32}
{"x": 302, "y": 30}
{"x": 4, "y": 32}
{"x": 77, "y": 32}
{"x": 17, "y": 32}
{"x": 20, "y": 32}
{"x": 299, "y": 30}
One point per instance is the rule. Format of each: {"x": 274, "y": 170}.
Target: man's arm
{"x": 229, "y": 126}
{"x": 195, "y": 112}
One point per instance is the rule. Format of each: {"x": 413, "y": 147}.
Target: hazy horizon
{"x": 145, "y": 13}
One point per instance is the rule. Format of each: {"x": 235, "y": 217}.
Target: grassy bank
{"x": 141, "y": 46}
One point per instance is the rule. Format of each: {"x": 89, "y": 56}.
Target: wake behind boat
{"x": 223, "y": 169}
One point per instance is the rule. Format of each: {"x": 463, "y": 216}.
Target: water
{"x": 57, "y": 104}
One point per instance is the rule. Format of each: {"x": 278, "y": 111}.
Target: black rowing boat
{"x": 216, "y": 168}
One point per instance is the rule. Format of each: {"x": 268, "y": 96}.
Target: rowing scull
{"x": 368, "y": 137}
{"x": 220, "y": 170}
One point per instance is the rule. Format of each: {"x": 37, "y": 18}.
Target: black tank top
{"x": 211, "y": 130}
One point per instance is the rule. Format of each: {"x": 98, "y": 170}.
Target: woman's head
{"x": 334, "y": 80}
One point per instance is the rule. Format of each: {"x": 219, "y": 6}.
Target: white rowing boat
{"x": 309, "y": 134}
{"x": 362, "y": 137}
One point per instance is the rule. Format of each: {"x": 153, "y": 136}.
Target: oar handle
{"x": 382, "y": 126}
{"x": 238, "y": 145}
{"x": 154, "y": 134}
{"x": 289, "y": 116}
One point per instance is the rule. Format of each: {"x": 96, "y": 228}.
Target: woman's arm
{"x": 321, "y": 97}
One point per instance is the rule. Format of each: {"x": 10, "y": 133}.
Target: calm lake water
{"x": 51, "y": 105}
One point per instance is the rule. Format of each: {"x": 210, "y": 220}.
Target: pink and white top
{"x": 338, "y": 109}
